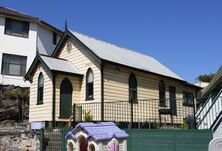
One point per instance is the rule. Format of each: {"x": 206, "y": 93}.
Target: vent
{"x": 69, "y": 46}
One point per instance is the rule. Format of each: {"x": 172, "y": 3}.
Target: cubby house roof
{"x": 98, "y": 131}
{"x": 123, "y": 56}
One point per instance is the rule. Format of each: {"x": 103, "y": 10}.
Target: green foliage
{"x": 156, "y": 125}
{"x": 145, "y": 124}
{"x": 87, "y": 116}
{"x": 18, "y": 93}
{"x": 185, "y": 124}
{"x": 205, "y": 77}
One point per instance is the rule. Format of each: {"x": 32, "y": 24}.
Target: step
{"x": 53, "y": 148}
{"x": 54, "y": 143}
{"x": 54, "y": 137}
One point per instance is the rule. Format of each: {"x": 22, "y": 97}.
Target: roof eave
{"x": 32, "y": 19}
{"x": 180, "y": 80}
{"x": 66, "y": 73}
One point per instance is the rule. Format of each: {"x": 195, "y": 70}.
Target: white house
{"x": 21, "y": 36}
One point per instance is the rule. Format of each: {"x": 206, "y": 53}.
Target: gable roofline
{"x": 7, "y": 12}
{"x": 66, "y": 34}
{"x": 49, "y": 67}
{"x": 33, "y": 66}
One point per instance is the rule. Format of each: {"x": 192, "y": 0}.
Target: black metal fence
{"x": 175, "y": 114}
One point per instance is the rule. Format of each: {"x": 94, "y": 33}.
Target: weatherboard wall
{"x": 116, "y": 88}
{"x": 83, "y": 60}
{"x": 41, "y": 112}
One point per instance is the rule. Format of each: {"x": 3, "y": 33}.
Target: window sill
{"x": 162, "y": 105}
{"x": 39, "y": 103}
{"x": 89, "y": 99}
{"x": 17, "y": 35}
{"x": 188, "y": 105}
{"x": 65, "y": 118}
{"x": 14, "y": 75}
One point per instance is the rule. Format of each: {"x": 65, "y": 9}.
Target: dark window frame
{"x": 188, "y": 99}
{"x": 40, "y": 90}
{"x": 8, "y": 59}
{"x": 54, "y": 38}
{"x": 172, "y": 90}
{"x": 132, "y": 82}
{"x": 8, "y": 28}
{"x": 162, "y": 94}
{"x": 89, "y": 86}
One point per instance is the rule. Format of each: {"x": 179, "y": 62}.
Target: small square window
{"x": 16, "y": 28}
{"x": 188, "y": 99}
{"x": 13, "y": 65}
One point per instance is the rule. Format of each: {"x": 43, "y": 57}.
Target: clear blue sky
{"x": 184, "y": 35}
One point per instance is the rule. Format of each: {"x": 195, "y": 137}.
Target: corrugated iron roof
{"x": 123, "y": 56}
{"x": 57, "y": 64}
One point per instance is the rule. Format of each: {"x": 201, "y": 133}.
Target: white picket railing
{"x": 207, "y": 114}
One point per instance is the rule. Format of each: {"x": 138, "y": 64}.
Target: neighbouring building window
{"x": 188, "y": 99}
{"x": 13, "y": 65}
{"x": 54, "y": 38}
{"x": 89, "y": 84}
{"x": 16, "y": 28}
{"x": 162, "y": 94}
{"x": 132, "y": 88}
{"x": 40, "y": 89}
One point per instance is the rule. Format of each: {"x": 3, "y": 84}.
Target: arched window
{"x": 89, "y": 84}
{"x": 40, "y": 89}
{"x": 162, "y": 96}
{"x": 132, "y": 88}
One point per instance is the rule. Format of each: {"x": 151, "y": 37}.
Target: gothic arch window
{"x": 40, "y": 89}
{"x": 132, "y": 88}
{"x": 89, "y": 84}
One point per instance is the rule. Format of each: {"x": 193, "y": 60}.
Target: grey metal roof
{"x": 60, "y": 65}
{"x": 213, "y": 83}
{"x": 113, "y": 53}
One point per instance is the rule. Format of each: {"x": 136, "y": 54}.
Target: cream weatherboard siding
{"x": 83, "y": 60}
{"x": 76, "y": 83}
{"x": 116, "y": 88}
{"x": 41, "y": 112}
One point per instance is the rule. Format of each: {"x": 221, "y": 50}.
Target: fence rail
{"x": 176, "y": 113}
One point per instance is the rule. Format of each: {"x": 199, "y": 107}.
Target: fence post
{"x": 42, "y": 139}
{"x": 194, "y": 116}
{"x": 73, "y": 115}
{"x": 131, "y": 125}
